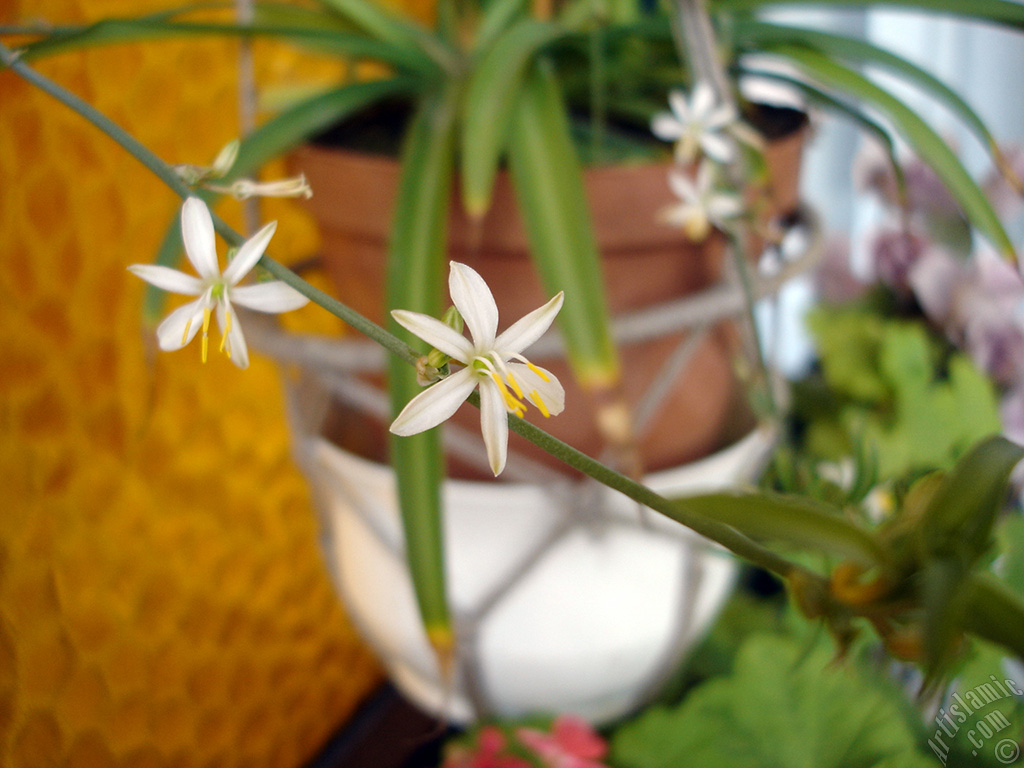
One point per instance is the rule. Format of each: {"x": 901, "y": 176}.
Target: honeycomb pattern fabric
{"x": 163, "y": 601}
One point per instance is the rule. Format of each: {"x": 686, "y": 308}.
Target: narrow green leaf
{"x": 1004, "y": 12}
{"x": 827, "y": 101}
{"x": 489, "y": 105}
{"x": 116, "y": 31}
{"x": 375, "y": 19}
{"x": 549, "y": 187}
{"x": 414, "y": 281}
{"x": 928, "y": 145}
{"x": 299, "y": 122}
{"x": 759, "y": 33}
{"x": 994, "y": 612}
{"x": 496, "y": 19}
{"x": 793, "y": 520}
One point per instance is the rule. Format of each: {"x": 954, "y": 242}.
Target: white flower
{"x": 697, "y": 125}
{"x": 215, "y": 290}
{"x": 700, "y": 205}
{"x": 505, "y": 386}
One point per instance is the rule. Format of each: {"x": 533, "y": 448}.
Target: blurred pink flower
{"x": 894, "y": 253}
{"x": 490, "y": 744}
{"x": 572, "y": 743}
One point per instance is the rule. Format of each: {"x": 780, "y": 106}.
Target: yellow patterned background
{"x": 163, "y": 601}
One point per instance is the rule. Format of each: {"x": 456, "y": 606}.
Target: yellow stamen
{"x": 184, "y": 336}
{"x": 510, "y": 402}
{"x": 206, "y": 332}
{"x": 536, "y": 400}
{"x": 539, "y": 371}
{"x": 515, "y": 385}
{"x": 225, "y": 345}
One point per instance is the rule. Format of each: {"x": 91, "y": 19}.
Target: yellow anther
{"x": 510, "y": 402}
{"x": 515, "y": 385}
{"x": 206, "y": 332}
{"x": 184, "y": 336}
{"x": 539, "y": 371}
{"x": 536, "y": 400}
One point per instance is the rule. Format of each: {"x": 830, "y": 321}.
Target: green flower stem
{"x": 725, "y": 535}
{"x": 700, "y": 46}
{"x": 739, "y": 253}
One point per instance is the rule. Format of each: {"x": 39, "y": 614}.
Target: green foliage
{"x": 782, "y": 707}
{"x": 896, "y": 386}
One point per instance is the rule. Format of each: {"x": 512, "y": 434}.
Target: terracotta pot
{"x": 645, "y": 263}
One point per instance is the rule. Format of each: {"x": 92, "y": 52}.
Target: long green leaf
{"x": 928, "y": 145}
{"x": 299, "y": 122}
{"x": 827, "y": 101}
{"x": 959, "y": 517}
{"x": 996, "y": 11}
{"x": 497, "y": 17}
{"x": 794, "y": 520}
{"x": 490, "y": 102}
{"x": 549, "y": 187}
{"x": 414, "y": 282}
{"x": 756, "y": 34}
{"x": 388, "y": 27}
{"x": 117, "y": 31}
{"x": 994, "y": 612}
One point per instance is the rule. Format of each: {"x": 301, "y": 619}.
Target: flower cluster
{"x": 571, "y": 743}
{"x": 705, "y": 135}
{"x": 492, "y": 362}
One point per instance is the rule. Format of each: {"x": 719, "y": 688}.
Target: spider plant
{"x": 493, "y": 82}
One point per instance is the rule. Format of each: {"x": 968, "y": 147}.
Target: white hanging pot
{"x": 565, "y": 600}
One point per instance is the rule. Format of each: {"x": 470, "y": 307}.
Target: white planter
{"x": 564, "y": 600}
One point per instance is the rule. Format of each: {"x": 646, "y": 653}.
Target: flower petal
{"x": 172, "y": 333}
{"x": 275, "y": 296}
{"x": 666, "y": 127}
{"x": 435, "y": 404}
{"x": 197, "y": 234}
{"x": 723, "y": 206}
{"x": 475, "y": 303}
{"x": 529, "y": 328}
{"x": 235, "y": 347}
{"x": 548, "y": 387}
{"x": 716, "y": 147}
{"x": 436, "y": 334}
{"x": 702, "y": 102}
{"x": 168, "y": 279}
{"x": 720, "y": 117}
{"x": 248, "y": 254}
{"x": 679, "y": 106}
{"x": 683, "y": 187}
{"x": 494, "y": 425}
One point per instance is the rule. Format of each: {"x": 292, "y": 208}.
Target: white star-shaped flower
{"x": 507, "y": 380}
{"x": 700, "y": 125}
{"x": 216, "y": 290}
{"x": 700, "y": 204}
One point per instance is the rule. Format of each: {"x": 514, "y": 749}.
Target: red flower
{"x": 572, "y": 743}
